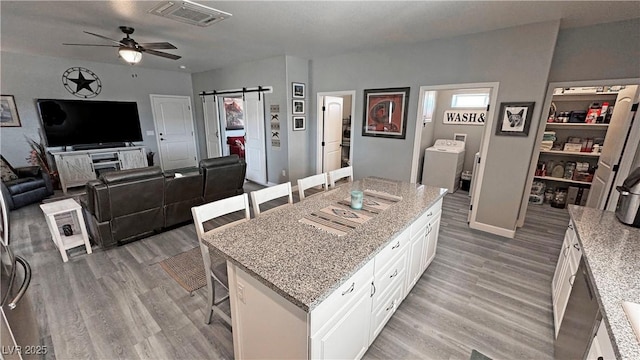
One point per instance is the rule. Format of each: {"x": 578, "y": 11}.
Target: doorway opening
{"x": 234, "y": 124}
{"x": 454, "y": 125}
{"x": 585, "y": 146}
{"x": 335, "y": 137}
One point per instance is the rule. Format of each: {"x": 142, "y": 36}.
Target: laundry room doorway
{"x": 454, "y": 126}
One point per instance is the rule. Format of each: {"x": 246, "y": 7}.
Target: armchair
{"x": 24, "y": 185}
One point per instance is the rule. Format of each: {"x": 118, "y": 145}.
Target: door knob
{"x": 161, "y": 139}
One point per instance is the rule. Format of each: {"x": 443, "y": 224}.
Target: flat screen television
{"x": 84, "y": 122}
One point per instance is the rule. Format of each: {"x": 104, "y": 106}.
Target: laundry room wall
{"x": 446, "y": 131}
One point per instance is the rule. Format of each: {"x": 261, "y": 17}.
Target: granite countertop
{"x": 305, "y": 264}
{"x": 612, "y": 255}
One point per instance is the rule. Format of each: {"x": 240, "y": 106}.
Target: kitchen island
{"x": 300, "y": 291}
{"x": 611, "y": 252}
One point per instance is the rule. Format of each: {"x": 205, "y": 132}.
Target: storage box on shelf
{"x": 78, "y": 167}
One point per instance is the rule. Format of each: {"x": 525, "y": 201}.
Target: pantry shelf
{"x": 562, "y": 180}
{"x": 570, "y": 153}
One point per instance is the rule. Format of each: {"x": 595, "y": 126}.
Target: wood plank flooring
{"x": 481, "y": 292}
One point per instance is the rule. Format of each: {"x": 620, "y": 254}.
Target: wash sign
{"x": 465, "y": 117}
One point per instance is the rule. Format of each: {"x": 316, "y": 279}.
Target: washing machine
{"x": 443, "y": 164}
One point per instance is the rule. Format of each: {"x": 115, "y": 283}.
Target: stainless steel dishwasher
{"x": 580, "y": 317}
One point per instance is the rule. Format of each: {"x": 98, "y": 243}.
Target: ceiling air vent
{"x": 189, "y": 12}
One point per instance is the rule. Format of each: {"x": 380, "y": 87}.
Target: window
{"x": 478, "y": 100}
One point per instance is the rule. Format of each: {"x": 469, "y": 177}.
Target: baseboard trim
{"x": 494, "y": 230}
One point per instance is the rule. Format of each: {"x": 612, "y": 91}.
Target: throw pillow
{"x": 6, "y": 171}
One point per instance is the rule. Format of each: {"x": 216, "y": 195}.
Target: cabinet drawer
{"x": 392, "y": 276}
{"x": 391, "y": 251}
{"x": 425, "y": 218}
{"x": 342, "y": 297}
{"x": 382, "y": 313}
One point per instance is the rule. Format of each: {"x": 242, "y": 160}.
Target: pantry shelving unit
{"x": 563, "y": 102}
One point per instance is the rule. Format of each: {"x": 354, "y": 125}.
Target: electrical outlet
{"x": 241, "y": 293}
{"x": 284, "y": 172}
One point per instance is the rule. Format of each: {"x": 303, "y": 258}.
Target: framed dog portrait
{"x": 514, "y": 118}
{"x": 385, "y": 112}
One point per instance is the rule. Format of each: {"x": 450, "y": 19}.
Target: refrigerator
{"x": 19, "y": 332}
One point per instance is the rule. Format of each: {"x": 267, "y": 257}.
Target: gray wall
{"x": 519, "y": 58}
{"x": 601, "y": 52}
{"x": 266, "y": 72}
{"x": 446, "y": 131}
{"x": 299, "y": 149}
{"x": 30, "y": 77}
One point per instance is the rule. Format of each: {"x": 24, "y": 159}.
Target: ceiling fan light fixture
{"x": 132, "y": 56}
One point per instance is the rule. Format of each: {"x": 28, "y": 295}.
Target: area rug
{"x": 476, "y": 355}
{"x": 187, "y": 269}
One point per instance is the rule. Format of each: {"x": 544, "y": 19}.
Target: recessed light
{"x": 182, "y": 67}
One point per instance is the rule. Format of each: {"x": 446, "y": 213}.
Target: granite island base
{"x": 298, "y": 291}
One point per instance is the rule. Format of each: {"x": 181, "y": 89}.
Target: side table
{"x": 63, "y": 242}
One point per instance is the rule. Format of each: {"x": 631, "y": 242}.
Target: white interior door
{"x": 254, "y": 146}
{"x": 174, "y": 131}
{"x": 211, "y": 127}
{"x": 332, "y": 133}
{"x": 603, "y": 179}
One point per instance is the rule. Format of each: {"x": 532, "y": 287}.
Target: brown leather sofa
{"x": 127, "y": 205}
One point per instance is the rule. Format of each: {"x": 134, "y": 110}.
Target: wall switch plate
{"x": 150, "y": 133}
{"x": 284, "y": 172}
{"x": 241, "y": 293}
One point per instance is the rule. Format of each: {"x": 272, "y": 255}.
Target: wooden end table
{"x": 63, "y": 242}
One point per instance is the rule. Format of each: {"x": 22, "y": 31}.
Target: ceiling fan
{"x": 130, "y": 50}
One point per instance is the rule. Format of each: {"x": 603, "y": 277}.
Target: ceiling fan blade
{"x": 104, "y": 37}
{"x": 158, "y": 45}
{"x": 162, "y": 54}
{"x": 92, "y": 45}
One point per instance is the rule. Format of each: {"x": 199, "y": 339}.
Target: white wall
{"x": 30, "y": 77}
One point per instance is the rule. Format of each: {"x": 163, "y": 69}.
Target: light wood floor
{"x": 481, "y": 292}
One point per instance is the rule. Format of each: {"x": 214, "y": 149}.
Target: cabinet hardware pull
{"x": 373, "y": 289}
{"x": 395, "y": 273}
{"x": 349, "y": 290}
{"x": 564, "y": 253}
{"x": 430, "y": 213}
{"x": 393, "y": 303}
{"x": 575, "y": 246}
{"x": 570, "y": 226}
{"x": 571, "y": 279}
{"x": 397, "y": 245}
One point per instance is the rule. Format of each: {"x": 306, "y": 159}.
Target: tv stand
{"x": 79, "y": 166}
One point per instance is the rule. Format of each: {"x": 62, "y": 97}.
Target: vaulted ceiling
{"x": 262, "y": 29}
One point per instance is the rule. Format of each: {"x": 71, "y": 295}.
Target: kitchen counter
{"x": 307, "y": 264}
{"x": 611, "y": 252}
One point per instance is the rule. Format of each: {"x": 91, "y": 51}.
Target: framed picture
{"x": 297, "y": 90}
{"x": 460, "y": 137}
{"x": 514, "y": 118}
{"x": 385, "y": 112}
{"x": 9, "y": 111}
{"x": 298, "y": 123}
{"x": 298, "y": 106}
{"x": 234, "y": 113}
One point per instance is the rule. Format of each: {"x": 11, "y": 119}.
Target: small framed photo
{"x": 514, "y": 118}
{"x": 297, "y": 90}
{"x": 9, "y": 112}
{"x": 298, "y": 123}
{"x": 298, "y": 107}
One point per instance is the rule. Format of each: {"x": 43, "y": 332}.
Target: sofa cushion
{"x": 219, "y": 161}
{"x": 115, "y": 177}
{"x": 24, "y": 185}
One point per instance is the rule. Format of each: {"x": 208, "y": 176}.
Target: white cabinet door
{"x": 74, "y": 170}
{"x": 562, "y": 263}
{"x": 415, "y": 259}
{"x": 567, "y": 277}
{"x": 132, "y": 159}
{"x": 431, "y": 241}
{"x": 346, "y": 335}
